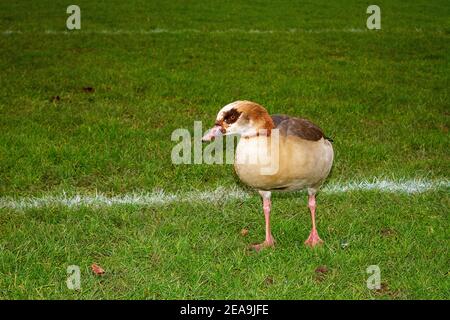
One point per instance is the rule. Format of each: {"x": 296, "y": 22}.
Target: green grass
{"x": 382, "y": 95}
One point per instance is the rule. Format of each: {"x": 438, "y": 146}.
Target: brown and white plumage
{"x": 276, "y": 153}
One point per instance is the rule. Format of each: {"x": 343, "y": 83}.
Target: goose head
{"x": 243, "y": 118}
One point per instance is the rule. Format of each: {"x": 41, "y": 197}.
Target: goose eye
{"x": 231, "y": 116}
{"x": 230, "y": 119}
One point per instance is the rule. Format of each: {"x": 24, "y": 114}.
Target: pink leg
{"x": 313, "y": 238}
{"x": 267, "y": 204}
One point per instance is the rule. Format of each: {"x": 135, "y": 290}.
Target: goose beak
{"x": 212, "y": 133}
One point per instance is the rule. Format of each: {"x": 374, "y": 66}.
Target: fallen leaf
{"x": 88, "y": 89}
{"x": 386, "y": 232}
{"x": 321, "y": 272}
{"x": 321, "y": 269}
{"x": 97, "y": 269}
{"x": 244, "y": 232}
{"x": 268, "y": 280}
{"x": 384, "y": 288}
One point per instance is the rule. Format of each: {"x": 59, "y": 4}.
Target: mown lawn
{"x": 382, "y": 95}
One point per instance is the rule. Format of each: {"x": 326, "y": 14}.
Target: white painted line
{"x": 139, "y": 199}
{"x": 202, "y": 31}
{"x": 402, "y": 186}
{"x": 220, "y": 194}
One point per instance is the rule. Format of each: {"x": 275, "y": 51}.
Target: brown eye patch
{"x": 231, "y": 116}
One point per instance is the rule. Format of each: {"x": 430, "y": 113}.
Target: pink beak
{"x": 212, "y": 133}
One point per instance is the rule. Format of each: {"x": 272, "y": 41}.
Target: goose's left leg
{"x": 267, "y": 204}
{"x": 313, "y": 238}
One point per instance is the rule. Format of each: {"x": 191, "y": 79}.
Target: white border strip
{"x": 220, "y": 194}
{"x": 403, "y": 186}
{"x": 156, "y": 198}
{"x": 201, "y": 31}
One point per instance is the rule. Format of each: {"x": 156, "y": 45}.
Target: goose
{"x": 276, "y": 153}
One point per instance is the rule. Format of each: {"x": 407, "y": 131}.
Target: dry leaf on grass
{"x": 88, "y": 89}
{"x": 244, "y": 232}
{"x": 97, "y": 269}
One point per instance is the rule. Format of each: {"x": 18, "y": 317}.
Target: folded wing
{"x": 292, "y": 126}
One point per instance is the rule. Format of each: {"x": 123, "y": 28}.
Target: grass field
{"x": 156, "y": 66}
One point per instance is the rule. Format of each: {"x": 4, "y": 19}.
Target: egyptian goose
{"x": 296, "y": 156}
